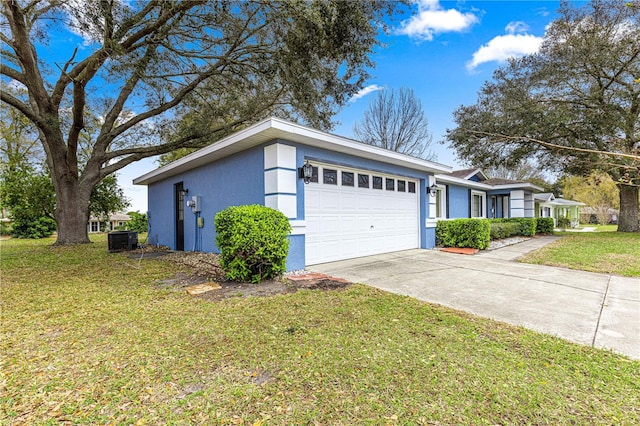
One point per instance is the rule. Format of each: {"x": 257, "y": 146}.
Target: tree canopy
{"x": 395, "y": 120}
{"x": 573, "y": 107}
{"x": 156, "y": 76}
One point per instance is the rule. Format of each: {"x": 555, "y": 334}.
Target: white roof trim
{"x": 275, "y": 128}
{"x": 483, "y": 186}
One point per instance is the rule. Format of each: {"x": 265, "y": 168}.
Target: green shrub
{"x": 5, "y": 229}
{"x": 39, "y": 228}
{"x": 501, "y": 230}
{"x": 526, "y": 226}
{"x": 564, "y": 223}
{"x": 139, "y": 222}
{"x": 252, "y": 241}
{"x": 544, "y": 225}
{"x": 472, "y": 233}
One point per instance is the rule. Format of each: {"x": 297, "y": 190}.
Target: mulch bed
{"x": 204, "y": 268}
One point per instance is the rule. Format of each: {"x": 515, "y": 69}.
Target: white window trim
{"x": 483, "y": 207}
{"x": 442, "y": 193}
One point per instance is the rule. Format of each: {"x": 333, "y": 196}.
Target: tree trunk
{"x": 72, "y": 213}
{"x": 628, "y": 218}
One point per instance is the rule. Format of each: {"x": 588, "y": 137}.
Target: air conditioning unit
{"x": 122, "y": 241}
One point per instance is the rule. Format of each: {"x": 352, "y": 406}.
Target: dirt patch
{"x": 203, "y": 268}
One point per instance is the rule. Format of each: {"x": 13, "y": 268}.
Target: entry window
{"x": 412, "y": 187}
{"x": 477, "y": 204}
{"x": 402, "y": 185}
{"x": 377, "y": 182}
{"x": 390, "y": 184}
{"x": 330, "y": 176}
{"x": 347, "y": 179}
{"x": 363, "y": 181}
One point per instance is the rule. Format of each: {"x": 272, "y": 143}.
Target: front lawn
{"x": 605, "y": 252}
{"x": 89, "y": 338}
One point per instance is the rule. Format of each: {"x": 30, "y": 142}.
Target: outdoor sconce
{"x": 433, "y": 190}
{"x": 306, "y": 172}
{"x": 184, "y": 192}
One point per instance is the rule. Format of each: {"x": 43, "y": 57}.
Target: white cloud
{"x": 365, "y": 91}
{"x": 433, "y": 19}
{"x": 515, "y": 27}
{"x": 502, "y": 47}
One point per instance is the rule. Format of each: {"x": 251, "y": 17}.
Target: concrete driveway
{"x": 593, "y": 309}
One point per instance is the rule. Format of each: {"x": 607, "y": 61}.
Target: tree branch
{"x": 556, "y": 146}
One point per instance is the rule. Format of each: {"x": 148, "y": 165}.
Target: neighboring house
{"x": 547, "y": 205}
{"x": 361, "y": 199}
{"x": 115, "y": 220}
{"x": 469, "y": 193}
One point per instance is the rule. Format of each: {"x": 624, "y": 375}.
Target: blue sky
{"x": 444, "y": 51}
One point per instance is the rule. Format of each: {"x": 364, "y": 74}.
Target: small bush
{"x": 5, "y": 229}
{"x": 139, "y": 222}
{"x": 252, "y": 241}
{"x": 501, "y": 230}
{"x": 472, "y": 233}
{"x": 564, "y": 223}
{"x": 544, "y": 225}
{"x": 42, "y": 227}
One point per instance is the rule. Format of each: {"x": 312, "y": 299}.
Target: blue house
{"x": 469, "y": 193}
{"x": 359, "y": 199}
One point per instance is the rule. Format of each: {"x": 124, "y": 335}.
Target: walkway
{"x": 593, "y": 309}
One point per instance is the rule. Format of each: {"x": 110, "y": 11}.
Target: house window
{"x": 412, "y": 187}
{"x": 330, "y": 176}
{"x": 363, "y": 181}
{"x": 477, "y": 204}
{"x": 401, "y": 185}
{"x": 377, "y": 182}
{"x": 347, "y": 179}
{"x": 94, "y": 227}
{"x": 390, "y": 184}
{"x": 441, "y": 202}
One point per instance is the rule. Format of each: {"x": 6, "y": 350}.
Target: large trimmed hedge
{"x": 472, "y": 233}
{"x": 253, "y": 242}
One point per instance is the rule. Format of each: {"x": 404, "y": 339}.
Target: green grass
{"x": 87, "y": 338}
{"x": 605, "y": 252}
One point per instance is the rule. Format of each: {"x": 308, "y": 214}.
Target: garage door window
{"x": 363, "y": 181}
{"x": 390, "y": 184}
{"x": 412, "y": 187}
{"x": 347, "y": 179}
{"x": 330, "y": 176}
{"x": 377, "y": 182}
{"x": 401, "y": 185}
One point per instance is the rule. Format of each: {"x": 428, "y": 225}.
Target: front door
{"x": 179, "y": 197}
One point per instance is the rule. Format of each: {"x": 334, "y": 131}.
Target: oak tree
{"x": 573, "y": 106}
{"x": 145, "y": 66}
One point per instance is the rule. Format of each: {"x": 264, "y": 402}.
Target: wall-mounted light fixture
{"x": 184, "y": 192}
{"x": 433, "y": 190}
{"x": 306, "y": 172}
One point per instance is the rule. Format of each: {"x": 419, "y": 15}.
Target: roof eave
{"x": 273, "y": 128}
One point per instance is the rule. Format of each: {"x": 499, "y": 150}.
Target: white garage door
{"x": 352, "y": 213}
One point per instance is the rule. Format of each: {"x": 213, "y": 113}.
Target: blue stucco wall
{"x": 232, "y": 181}
{"x": 458, "y": 202}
